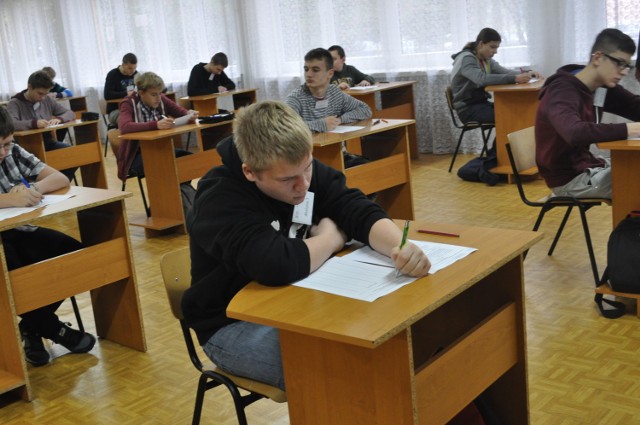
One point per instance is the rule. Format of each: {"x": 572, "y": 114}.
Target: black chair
{"x": 114, "y": 142}
{"x": 522, "y": 150}
{"x": 485, "y": 128}
{"x": 176, "y": 273}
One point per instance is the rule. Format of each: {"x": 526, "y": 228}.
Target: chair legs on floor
{"x": 455, "y": 153}
{"x": 76, "y": 311}
{"x": 147, "y": 209}
{"x": 485, "y": 141}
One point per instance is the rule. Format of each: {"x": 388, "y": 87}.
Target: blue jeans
{"x": 249, "y": 350}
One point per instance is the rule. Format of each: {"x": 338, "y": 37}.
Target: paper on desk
{"x": 533, "y": 80}
{"x": 441, "y": 255}
{"x": 6, "y": 213}
{"x": 363, "y": 87}
{"x": 345, "y": 128}
{"x": 54, "y": 125}
{"x": 182, "y": 120}
{"x": 367, "y": 275}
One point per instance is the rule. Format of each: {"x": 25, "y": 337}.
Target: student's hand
{"x": 329, "y": 230}
{"x": 332, "y": 122}
{"x": 21, "y": 196}
{"x": 411, "y": 260}
{"x": 194, "y": 115}
{"x": 55, "y": 121}
{"x": 535, "y": 74}
{"x": 364, "y": 83}
{"x": 165, "y": 123}
{"x": 633, "y": 129}
{"x": 42, "y": 123}
{"x": 523, "y": 78}
{"x": 222, "y": 89}
{"x": 343, "y": 86}
{"x": 52, "y": 95}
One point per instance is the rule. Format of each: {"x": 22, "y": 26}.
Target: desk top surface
{"x": 169, "y": 94}
{"x": 516, "y": 87}
{"x": 367, "y": 324}
{"x": 161, "y": 134}
{"x": 72, "y": 123}
{"x": 621, "y": 145}
{"x": 216, "y": 95}
{"x": 83, "y": 198}
{"x": 324, "y": 139}
{"x": 379, "y": 87}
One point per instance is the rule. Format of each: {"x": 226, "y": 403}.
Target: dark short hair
{"x": 610, "y": 40}
{"x": 220, "y": 59}
{"x": 336, "y": 48}
{"x": 6, "y": 123}
{"x": 486, "y": 35}
{"x": 40, "y": 80}
{"x": 50, "y": 71}
{"x": 319, "y": 54}
{"x": 130, "y": 58}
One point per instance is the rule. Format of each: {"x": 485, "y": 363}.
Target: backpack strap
{"x": 618, "y": 309}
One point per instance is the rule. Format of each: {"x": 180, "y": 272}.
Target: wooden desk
{"x": 105, "y": 267}
{"x": 415, "y": 356}
{"x": 164, "y": 172}
{"x": 515, "y": 108}
{"x": 170, "y": 94}
{"x": 388, "y": 173}
{"x": 625, "y": 163}
{"x": 208, "y": 104}
{"x": 396, "y": 99}
{"x": 86, "y": 153}
{"x": 77, "y": 104}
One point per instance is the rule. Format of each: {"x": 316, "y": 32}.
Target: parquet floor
{"x": 583, "y": 369}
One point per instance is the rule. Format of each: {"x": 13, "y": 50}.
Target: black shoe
{"x": 73, "y": 340}
{"x": 34, "y": 350}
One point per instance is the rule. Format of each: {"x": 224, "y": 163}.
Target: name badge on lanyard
{"x": 303, "y": 212}
{"x": 321, "y": 104}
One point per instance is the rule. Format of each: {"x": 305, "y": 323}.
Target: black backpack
{"x": 623, "y": 263}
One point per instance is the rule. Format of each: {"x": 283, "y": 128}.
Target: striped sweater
{"x": 335, "y": 103}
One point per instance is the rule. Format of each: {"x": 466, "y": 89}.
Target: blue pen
{"x": 25, "y": 182}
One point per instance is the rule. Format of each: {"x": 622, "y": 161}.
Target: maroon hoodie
{"x": 566, "y": 125}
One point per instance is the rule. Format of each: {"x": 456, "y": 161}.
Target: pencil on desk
{"x": 433, "y": 232}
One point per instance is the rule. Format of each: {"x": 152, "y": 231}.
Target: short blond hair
{"x": 269, "y": 131}
{"x": 149, "y": 80}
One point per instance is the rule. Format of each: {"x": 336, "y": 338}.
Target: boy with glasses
{"x": 23, "y": 181}
{"x": 568, "y": 120}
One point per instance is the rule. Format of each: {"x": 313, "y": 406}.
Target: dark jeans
{"x": 479, "y": 112}
{"x": 23, "y": 248}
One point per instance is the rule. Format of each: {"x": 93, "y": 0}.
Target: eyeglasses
{"x": 7, "y": 146}
{"x": 621, "y": 64}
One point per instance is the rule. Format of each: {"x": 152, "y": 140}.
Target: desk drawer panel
{"x": 465, "y": 369}
{"x": 379, "y": 175}
{"x": 74, "y": 156}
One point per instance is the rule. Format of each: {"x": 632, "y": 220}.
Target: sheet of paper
{"x": 6, "y": 213}
{"x": 353, "y": 279}
{"x": 367, "y": 275}
{"x": 533, "y": 80}
{"x": 441, "y": 255}
{"x": 345, "y": 128}
{"x": 55, "y": 125}
{"x": 181, "y": 120}
{"x": 363, "y": 87}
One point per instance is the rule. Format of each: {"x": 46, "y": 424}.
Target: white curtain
{"x": 266, "y": 40}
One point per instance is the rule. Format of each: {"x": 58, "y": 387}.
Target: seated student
{"x": 33, "y": 108}
{"x": 148, "y": 109}
{"x": 29, "y": 244}
{"x": 345, "y": 76}
{"x": 242, "y": 228}
{"x": 322, "y": 105}
{"x": 473, "y": 70}
{"x": 568, "y": 118}
{"x": 57, "y": 90}
{"x": 208, "y": 78}
{"x": 120, "y": 83}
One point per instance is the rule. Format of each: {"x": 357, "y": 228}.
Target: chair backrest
{"x": 449, "y": 95}
{"x": 523, "y": 148}
{"x": 114, "y": 140}
{"x": 176, "y": 273}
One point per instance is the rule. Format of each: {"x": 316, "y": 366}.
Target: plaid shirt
{"x": 19, "y": 164}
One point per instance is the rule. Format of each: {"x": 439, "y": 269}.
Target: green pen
{"x": 405, "y": 233}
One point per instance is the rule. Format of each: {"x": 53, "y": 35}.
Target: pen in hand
{"x": 25, "y": 182}
{"x": 405, "y": 233}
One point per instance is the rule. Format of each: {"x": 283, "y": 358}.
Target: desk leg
{"x": 163, "y": 185}
{"x": 330, "y": 155}
{"x": 329, "y": 382}
{"x": 206, "y": 107}
{"x": 116, "y": 305}
{"x": 625, "y": 192}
